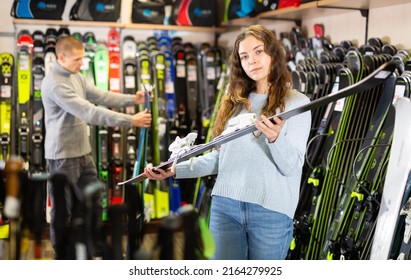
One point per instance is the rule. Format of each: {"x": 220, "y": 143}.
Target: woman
{"x": 257, "y": 187}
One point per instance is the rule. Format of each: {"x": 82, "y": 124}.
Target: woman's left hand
{"x": 269, "y": 129}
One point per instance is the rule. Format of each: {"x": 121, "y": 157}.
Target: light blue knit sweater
{"x": 69, "y": 103}
{"x": 255, "y": 171}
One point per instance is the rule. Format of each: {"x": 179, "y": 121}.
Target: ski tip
{"x": 121, "y": 183}
{"x": 386, "y": 69}
{"x": 126, "y": 181}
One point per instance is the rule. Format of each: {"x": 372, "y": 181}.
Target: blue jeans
{"x": 247, "y": 231}
{"x": 80, "y": 171}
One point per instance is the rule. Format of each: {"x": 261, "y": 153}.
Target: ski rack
{"x": 357, "y": 180}
{"x": 372, "y": 80}
{"x": 310, "y": 142}
{"x": 330, "y": 152}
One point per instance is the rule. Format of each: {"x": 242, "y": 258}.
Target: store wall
{"x": 227, "y": 39}
{"x": 6, "y": 27}
{"x": 391, "y": 24}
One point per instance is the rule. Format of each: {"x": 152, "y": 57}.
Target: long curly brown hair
{"x": 240, "y": 85}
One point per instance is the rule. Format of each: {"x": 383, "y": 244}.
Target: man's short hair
{"x": 66, "y": 44}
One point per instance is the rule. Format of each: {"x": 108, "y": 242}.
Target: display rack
{"x": 104, "y": 24}
{"x": 314, "y": 9}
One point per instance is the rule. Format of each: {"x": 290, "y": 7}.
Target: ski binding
{"x": 406, "y": 210}
{"x": 239, "y": 122}
{"x": 182, "y": 144}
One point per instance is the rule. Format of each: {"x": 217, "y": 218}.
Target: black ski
{"x": 374, "y": 79}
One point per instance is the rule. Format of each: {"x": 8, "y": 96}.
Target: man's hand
{"x": 140, "y": 97}
{"x": 141, "y": 119}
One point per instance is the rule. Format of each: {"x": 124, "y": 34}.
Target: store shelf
{"x": 100, "y": 24}
{"x": 365, "y": 4}
{"x": 312, "y": 9}
{"x": 238, "y": 22}
{"x": 315, "y": 9}
{"x": 289, "y": 13}
{"x": 18, "y": 21}
{"x": 173, "y": 27}
{"x": 297, "y": 13}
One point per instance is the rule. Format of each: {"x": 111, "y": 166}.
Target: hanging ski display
{"x": 115, "y": 133}
{"x": 129, "y": 51}
{"x": 6, "y": 101}
{"x": 37, "y": 129}
{"x": 353, "y": 190}
{"x": 159, "y": 136}
{"x": 24, "y": 84}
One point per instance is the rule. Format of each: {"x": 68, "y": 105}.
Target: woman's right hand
{"x": 157, "y": 174}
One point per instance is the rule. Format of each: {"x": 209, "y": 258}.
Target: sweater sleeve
{"x": 108, "y": 99}
{"x": 289, "y": 149}
{"x": 69, "y": 101}
{"x": 200, "y": 166}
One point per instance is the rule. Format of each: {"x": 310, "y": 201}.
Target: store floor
{"x": 48, "y": 252}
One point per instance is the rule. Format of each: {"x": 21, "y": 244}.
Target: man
{"x": 69, "y": 102}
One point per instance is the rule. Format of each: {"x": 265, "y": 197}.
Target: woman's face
{"x": 254, "y": 60}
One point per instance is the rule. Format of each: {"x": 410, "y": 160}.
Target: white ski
{"x": 399, "y": 167}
